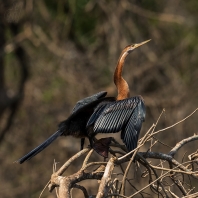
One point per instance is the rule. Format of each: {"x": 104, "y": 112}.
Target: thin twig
{"x": 87, "y": 158}
{"x": 140, "y": 145}
{"x": 83, "y": 189}
{"x": 93, "y": 164}
{"x": 182, "y": 143}
{"x": 176, "y": 123}
{"x": 153, "y": 182}
{"x": 141, "y": 142}
{"x": 68, "y": 163}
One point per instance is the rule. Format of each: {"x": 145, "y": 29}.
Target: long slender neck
{"x": 121, "y": 84}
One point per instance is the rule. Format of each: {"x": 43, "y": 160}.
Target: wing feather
{"x": 124, "y": 115}
{"x": 131, "y": 132}
{"x": 85, "y": 101}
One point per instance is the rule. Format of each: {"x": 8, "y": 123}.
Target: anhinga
{"x": 100, "y": 114}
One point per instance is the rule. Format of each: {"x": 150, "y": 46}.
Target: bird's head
{"x": 131, "y": 47}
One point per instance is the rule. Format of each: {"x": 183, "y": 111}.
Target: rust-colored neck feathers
{"x": 121, "y": 84}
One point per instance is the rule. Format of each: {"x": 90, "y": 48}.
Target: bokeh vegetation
{"x": 69, "y": 50}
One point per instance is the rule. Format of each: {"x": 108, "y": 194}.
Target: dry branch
{"x": 182, "y": 143}
{"x": 106, "y": 179}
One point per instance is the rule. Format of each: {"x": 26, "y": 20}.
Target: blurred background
{"x": 56, "y": 52}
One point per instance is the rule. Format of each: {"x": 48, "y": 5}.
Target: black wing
{"x": 85, "y": 101}
{"x": 124, "y": 115}
{"x": 131, "y": 132}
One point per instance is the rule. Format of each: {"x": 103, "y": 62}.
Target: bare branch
{"x": 104, "y": 185}
{"x": 171, "y": 160}
{"x": 192, "y": 195}
{"x": 68, "y": 163}
{"x": 176, "y": 123}
{"x": 64, "y": 168}
{"x": 87, "y": 158}
{"x": 182, "y": 143}
{"x": 83, "y": 190}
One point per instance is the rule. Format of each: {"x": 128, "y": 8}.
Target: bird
{"x": 126, "y": 114}
{"x": 85, "y": 119}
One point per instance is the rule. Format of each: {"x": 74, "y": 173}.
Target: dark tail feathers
{"x": 39, "y": 148}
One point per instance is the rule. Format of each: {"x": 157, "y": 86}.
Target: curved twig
{"x": 160, "y": 177}
{"x": 83, "y": 189}
{"x": 182, "y": 143}
{"x": 175, "y": 123}
{"x": 93, "y": 164}
{"x": 54, "y": 176}
{"x": 87, "y": 158}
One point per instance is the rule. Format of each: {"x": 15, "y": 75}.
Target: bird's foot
{"x": 101, "y": 146}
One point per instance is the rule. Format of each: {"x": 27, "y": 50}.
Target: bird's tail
{"x": 39, "y": 148}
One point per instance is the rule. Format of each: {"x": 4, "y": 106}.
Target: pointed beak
{"x": 142, "y": 43}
